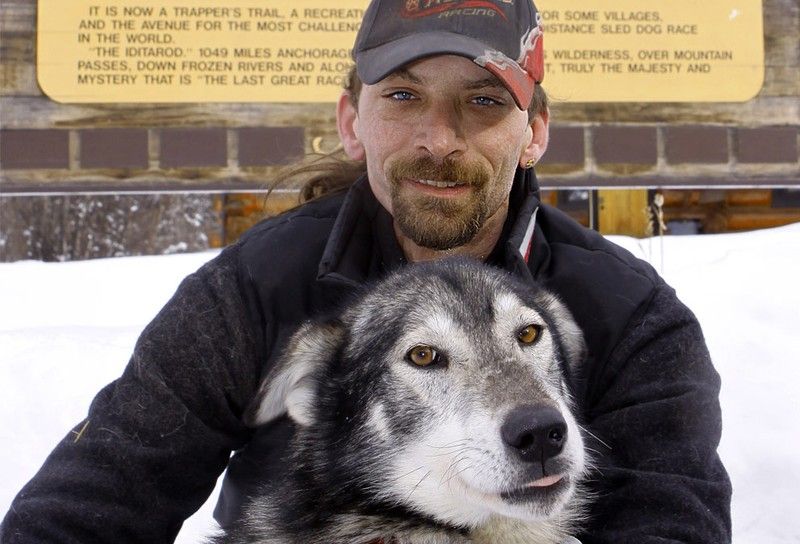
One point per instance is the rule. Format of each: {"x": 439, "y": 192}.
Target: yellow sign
{"x": 657, "y": 51}
{"x": 299, "y": 50}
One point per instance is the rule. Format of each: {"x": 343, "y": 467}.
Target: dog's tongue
{"x": 547, "y": 481}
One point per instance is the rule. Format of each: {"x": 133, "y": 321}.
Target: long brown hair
{"x": 325, "y": 173}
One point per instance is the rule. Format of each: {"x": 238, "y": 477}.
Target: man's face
{"x": 442, "y": 139}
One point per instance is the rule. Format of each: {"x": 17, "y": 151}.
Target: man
{"x": 438, "y": 113}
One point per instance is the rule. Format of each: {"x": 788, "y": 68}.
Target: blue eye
{"x": 486, "y": 101}
{"x": 402, "y": 95}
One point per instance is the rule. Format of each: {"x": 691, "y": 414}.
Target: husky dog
{"x": 433, "y": 410}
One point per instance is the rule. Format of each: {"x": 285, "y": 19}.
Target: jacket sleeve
{"x": 154, "y": 441}
{"x": 655, "y": 419}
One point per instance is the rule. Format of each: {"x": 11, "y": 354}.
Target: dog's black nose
{"x": 535, "y": 432}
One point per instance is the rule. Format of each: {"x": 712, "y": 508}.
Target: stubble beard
{"x": 439, "y": 223}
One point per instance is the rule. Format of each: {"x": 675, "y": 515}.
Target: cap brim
{"x": 375, "y": 64}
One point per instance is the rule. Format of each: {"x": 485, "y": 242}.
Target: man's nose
{"x": 441, "y": 131}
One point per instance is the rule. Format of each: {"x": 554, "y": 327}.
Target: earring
{"x": 530, "y": 164}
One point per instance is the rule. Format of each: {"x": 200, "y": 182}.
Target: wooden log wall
{"x": 204, "y": 151}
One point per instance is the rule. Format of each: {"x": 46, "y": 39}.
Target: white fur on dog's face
{"x": 455, "y": 466}
{"x": 428, "y": 439}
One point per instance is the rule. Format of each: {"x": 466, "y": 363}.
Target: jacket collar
{"x": 350, "y": 252}
{"x": 519, "y": 252}
{"x": 362, "y": 241}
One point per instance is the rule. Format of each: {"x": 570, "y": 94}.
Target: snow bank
{"x": 67, "y": 329}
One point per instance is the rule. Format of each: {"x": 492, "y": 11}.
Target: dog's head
{"x": 443, "y": 391}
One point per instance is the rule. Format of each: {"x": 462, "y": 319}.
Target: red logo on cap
{"x": 519, "y": 76}
{"x": 413, "y": 9}
{"x": 531, "y": 54}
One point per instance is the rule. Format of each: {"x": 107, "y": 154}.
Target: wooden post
{"x": 623, "y": 211}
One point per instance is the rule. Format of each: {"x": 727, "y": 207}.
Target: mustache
{"x": 452, "y": 170}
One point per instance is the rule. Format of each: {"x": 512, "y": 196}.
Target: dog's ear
{"x": 569, "y": 333}
{"x": 292, "y": 384}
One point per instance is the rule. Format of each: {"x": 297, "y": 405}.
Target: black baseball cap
{"x": 502, "y": 36}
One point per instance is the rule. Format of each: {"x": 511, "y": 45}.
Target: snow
{"x": 67, "y": 329}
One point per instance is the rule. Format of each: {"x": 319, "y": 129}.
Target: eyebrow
{"x": 490, "y": 81}
{"x": 404, "y": 73}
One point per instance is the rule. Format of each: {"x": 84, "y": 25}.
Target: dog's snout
{"x": 535, "y": 432}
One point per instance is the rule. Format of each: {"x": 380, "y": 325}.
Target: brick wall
{"x": 202, "y": 156}
{"x": 646, "y": 153}
{"x": 578, "y": 154}
{"x": 96, "y": 158}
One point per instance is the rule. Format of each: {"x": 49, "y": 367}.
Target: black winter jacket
{"x": 156, "y": 439}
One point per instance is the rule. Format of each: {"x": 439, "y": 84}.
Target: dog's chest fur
{"x": 496, "y": 531}
{"x": 357, "y": 529}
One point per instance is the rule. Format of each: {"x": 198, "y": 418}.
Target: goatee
{"x": 433, "y": 222}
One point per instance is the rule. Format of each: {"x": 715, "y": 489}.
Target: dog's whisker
{"x": 453, "y": 463}
{"x": 444, "y": 454}
{"x": 407, "y": 473}
{"x": 592, "y": 450}
{"x": 482, "y": 470}
{"x": 454, "y": 444}
{"x": 418, "y": 484}
{"x": 452, "y": 466}
{"x": 587, "y": 431}
{"x": 447, "y": 482}
{"x": 455, "y": 452}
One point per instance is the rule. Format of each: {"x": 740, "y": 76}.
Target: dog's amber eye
{"x": 529, "y": 334}
{"x": 422, "y": 355}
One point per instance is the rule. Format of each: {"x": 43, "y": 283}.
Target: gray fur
{"x": 389, "y": 450}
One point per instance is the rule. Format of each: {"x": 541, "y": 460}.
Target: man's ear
{"x": 291, "y": 386}
{"x": 347, "y": 125}
{"x": 539, "y": 138}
